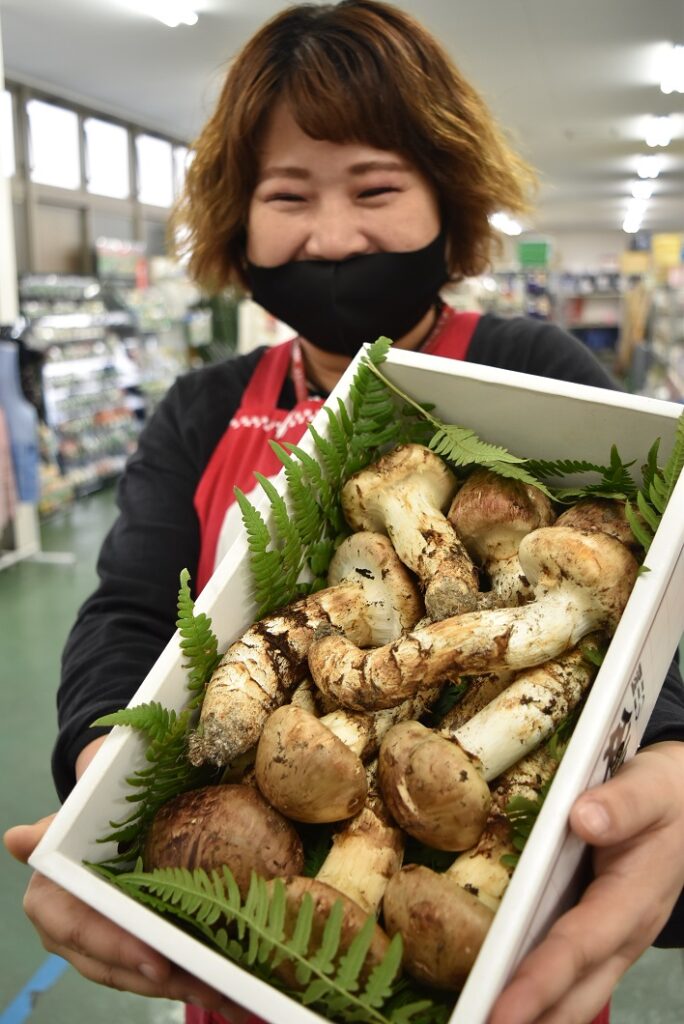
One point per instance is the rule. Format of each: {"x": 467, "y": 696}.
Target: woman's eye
{"x": 285, "y": 197}
{"x": 371, "y": 193}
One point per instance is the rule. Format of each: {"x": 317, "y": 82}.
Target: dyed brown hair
{"x": 359, "y": 71}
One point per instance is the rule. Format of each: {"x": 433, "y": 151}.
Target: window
{"x": 107, "y": 158}
{"x": 7, "y": 157}
{"x": 54, "y": 146}
{"x": 155, "y": 171}
{"x": 182, "y": 158}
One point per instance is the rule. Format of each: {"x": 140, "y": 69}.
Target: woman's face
{"x": 330, "y": 201}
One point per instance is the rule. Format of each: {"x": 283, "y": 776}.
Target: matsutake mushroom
{"x": 365, "y": 854}
{"x": 602, "y": 515}
{"x": 311, "y": 768}
{"x": 444, "y": 918}
{"x": 405, "y": 494}
{"x": 581, "y": 583}
{"x": 491, "y": 514}
{"x": 229, "y": 825}
{"x": 435, "y": 782}
{"x": 372, "y": 599}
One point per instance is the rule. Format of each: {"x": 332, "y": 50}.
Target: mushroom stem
{"x": 444, "y": 918}
{"x": 364, "y": 856}
{"x": 434, "y": 782}
{"x": 581, "y": 581}
{"x": 481, "y": 690}
{"x": 405, "y": 494}
{"x": 372, "y": 600}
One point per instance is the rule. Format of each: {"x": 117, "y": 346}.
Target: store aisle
{"x": 37, "y": 605}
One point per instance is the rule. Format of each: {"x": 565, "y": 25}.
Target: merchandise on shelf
{"x": 84, "y": 400}
{"x": 659, "y": 370}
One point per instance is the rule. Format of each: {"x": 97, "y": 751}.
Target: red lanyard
{"x": 298, "y": 372}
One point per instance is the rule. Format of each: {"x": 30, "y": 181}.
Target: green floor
{"x": 37, "y": 604}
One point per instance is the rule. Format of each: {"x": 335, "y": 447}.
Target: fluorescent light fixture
{"x": 170, "y": 12}
{"x": 631, "y": 226}
{"x": 642, "y": 189}
{"x": 649, "y": 166}
{"x": 673, "y": 71}
{"x": 659, "y": 131}
{"x": 505, "y": 223}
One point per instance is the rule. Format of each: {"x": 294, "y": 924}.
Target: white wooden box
{"x": 533, "y": 417}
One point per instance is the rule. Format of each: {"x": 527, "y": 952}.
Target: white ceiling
{"x": 572, "y": 80}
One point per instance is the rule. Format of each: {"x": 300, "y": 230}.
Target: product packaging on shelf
{"x": 533, "y": 417}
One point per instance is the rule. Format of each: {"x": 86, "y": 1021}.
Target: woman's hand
{"x": 98, "y": 948}
{"x": 636, "y": 824}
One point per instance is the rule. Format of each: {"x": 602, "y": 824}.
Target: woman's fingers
{"x": 637, "y": 799}
{"x": 67, "y": 927}
{"x": 636, "y": 824}
{"x": 179, "y": 985}
{"x": 22, "y": 840}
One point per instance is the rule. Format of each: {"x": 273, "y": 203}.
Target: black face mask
{"x": 338, "y": 305}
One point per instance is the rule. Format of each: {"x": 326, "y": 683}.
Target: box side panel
{"x": 553, "y": 867}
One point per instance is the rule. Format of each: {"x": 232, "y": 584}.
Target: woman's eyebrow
{"x": 378, "y": 165}
{"x": 284, "y": 172}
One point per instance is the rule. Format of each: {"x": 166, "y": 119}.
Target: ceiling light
{"x": 659, "y": 131}
{"x": 649, "y": 166}
{"x": 642, "y": 189}
{"x": 170, "y": 12}
{"x": 631, "y": 226}
{"x": 637, "y": 207}
{"x": 673, "y": 71}
{"x": 505, "y": 223}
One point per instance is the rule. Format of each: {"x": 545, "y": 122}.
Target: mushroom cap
{"x": 392, "y": 595}
{"x": 432, "y": 787}
{"x": 442, "y": 925}
{"x": 491, "y": 514}
{"x": 229, "y": 825}
{"x": 324, "y": 898}
{"x": 305, "y": 771}
{"x": 408, "y": 465}
{"x": 595, "y": 563}
{"x": 605, "y": 515}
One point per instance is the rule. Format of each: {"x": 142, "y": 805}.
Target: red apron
{"x": 244, "y": 449}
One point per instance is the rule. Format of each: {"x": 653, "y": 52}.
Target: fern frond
{"x": 463, "y": 447}
{"x": 656, "y": 490}
{"x": 168, "y": 773}
{"x": 305, "y": 510}
{"x": 198, "y": 643}
{"x": 252, "y": 934}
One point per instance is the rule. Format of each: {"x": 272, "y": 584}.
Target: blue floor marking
{"x": 21, "y": 1008}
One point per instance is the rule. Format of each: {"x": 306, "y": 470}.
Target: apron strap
{"x": 268, "y": 378}
{"x": 453, "y": 336}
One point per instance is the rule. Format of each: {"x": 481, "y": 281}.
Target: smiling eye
{"x": 371, "y": 193}
{"x": 285, "y": 197}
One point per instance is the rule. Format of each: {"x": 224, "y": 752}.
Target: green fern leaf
{"x": 675, "y": 463}
{"x": 379, "y": 985}
{"x": 351, "y": 964}
{"x": 641, "y": 532}
{"x": 463, "y": 447}
{"x": 649, "y": 514}
{"x": 252, "y": 935}
{"x": 377, "y": 353}
{"x": 198, "y": 643}
{"x": 305, "y": 511}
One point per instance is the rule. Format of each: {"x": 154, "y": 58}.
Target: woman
{"x": 347, "y": 173}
